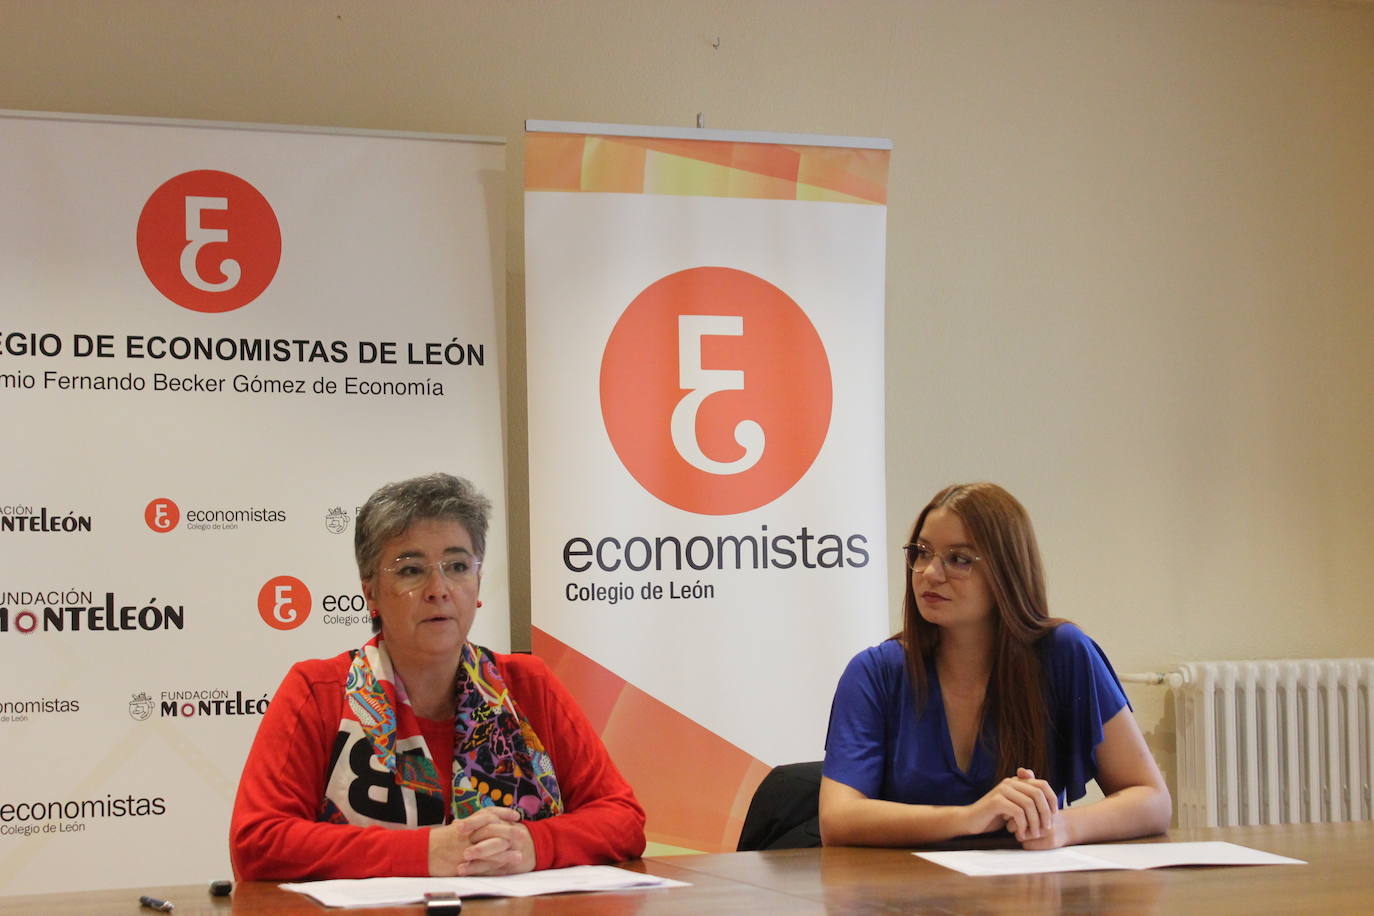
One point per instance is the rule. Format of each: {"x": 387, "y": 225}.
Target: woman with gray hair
{"x": 421, "y": 753}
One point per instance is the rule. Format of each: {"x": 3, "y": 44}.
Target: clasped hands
{"x": 492, "y": 841}
{"x": 1027, "y": 807}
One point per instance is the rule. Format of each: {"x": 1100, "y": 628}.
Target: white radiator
{"x": 1274, "y": 742}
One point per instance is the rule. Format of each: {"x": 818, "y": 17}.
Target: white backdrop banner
{"x": 215, "y": 342}
{"x": 705, "y": 339}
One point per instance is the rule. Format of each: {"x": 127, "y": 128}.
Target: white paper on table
{"x": 1103, "y": 856}
{"x": 345, "y": 892}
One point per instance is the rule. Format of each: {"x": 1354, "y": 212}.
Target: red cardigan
{"x": 274, "y": 835}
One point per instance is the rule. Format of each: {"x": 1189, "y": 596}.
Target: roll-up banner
{"x": 216, "y": 341}
{"x": 705, "y": 343}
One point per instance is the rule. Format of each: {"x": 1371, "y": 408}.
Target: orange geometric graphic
{"x": 704, "y": 168}
{"x": 695, "y": 785}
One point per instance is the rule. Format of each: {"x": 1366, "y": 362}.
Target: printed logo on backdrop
{"x": 42, "y": 520}
{"x": 140, "y": 707}
{"x": 715, "y": 391}
{"x": 12, "y": 710}
{"x": 346, "y": 610}
{"x": 336, "y": 520}
{"x": 163, "y": 515}
{"x": 209, "y": 241}
{"x": 79, "y": 611}
{"x": 716, "y": 395}
{"x": 189, "y": 704}
{"x": 27, "y": 817}
{"x": 284, "y": 602}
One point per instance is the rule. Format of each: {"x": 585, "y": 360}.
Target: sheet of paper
{"x": 1163, "y": 855}
{"x": 1015, "y": 861}
{"x": 1103, "y": 856}
{"x": 398, "y": 891}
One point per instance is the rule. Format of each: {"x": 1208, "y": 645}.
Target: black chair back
{"x": 785, "y": 810}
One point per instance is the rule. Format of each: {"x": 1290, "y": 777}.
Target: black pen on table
{"x": 152, "y": 903}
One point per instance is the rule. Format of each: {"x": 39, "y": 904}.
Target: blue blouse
{"x": 880, "y": 745}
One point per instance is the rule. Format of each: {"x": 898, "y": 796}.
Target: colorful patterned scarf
{"x": 497, "y": 757}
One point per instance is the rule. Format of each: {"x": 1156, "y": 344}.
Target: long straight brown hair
{"x": 1002, "y": 534}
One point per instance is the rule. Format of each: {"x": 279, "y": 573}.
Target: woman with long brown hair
{"x": 984, "y": 713}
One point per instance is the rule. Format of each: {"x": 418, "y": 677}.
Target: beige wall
{"x": 1131, "y": 244}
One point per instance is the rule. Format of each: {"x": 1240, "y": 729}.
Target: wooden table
{"x": 1339, "y": 879}
{"x": 708, "y": 894}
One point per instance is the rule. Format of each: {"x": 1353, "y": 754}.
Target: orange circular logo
{"x": 715, "y": 391}
{"x": 284, "y": 602}
{"x": 209, "y": 241}
{"x": 161, "y": 515}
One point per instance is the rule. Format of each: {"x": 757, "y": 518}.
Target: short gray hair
{"x": 396, "y": 506}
